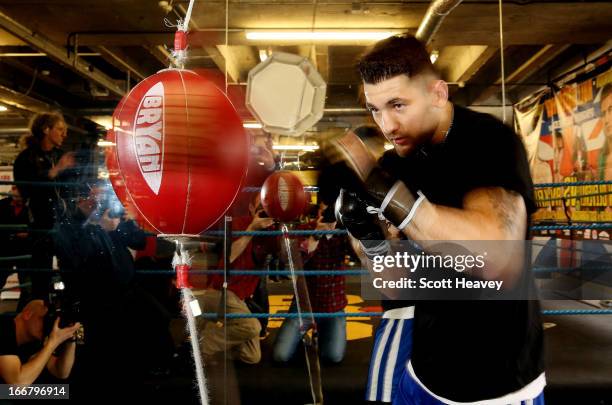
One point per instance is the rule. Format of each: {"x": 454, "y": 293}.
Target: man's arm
{"x": 66, "y": 161}
{"x": 488, "y": 214}
{"x": 240, "y": 244}
{"x": 13, "y": 372}
{"x": 493, "y": 214}
{"x": 60, "y": 366}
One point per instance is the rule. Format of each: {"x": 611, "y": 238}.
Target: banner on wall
{"x": 568, "y": 137}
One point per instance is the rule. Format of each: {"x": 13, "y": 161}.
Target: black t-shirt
{"x": 98, "y": 266}
{"x": 33, "y": 164}
{"x": 8, "y": 342}
{"x": 472, "y": 350}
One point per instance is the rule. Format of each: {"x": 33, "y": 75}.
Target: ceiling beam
{"x": 160, "y": 53}
{"x": 223, "y": 58}
{"x": 10, "y": 40}
{"x": 460, "y": 63}
{"x": 523, "y": 71}
{"x": 322, "y": 58}
{"x": 535, "y": 65}
{"x": 478, "y": 64}
{"x": 246, "y": 58}
{"x": 318, "y": 56}
{"x": 58, "y": 54}
{"x": 122, "y": 61}
{"x": 31, "y": 71}
{"x": 20, "y": 101}
{"x": 525, "y": 23}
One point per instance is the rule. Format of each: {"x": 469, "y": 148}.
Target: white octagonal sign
{"x": 286, "y": 94}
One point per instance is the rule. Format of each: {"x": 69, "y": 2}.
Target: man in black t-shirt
{"x": 454, "y": 174}
{"x": 24, "y": 355}
{"x": 36, "y": 170}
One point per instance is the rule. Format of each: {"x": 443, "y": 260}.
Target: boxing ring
{"x": 578, "y": 337}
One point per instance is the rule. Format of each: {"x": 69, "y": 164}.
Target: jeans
{"x": 332, "y": 339}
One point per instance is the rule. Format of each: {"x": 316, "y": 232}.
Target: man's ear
{"x": 440, "y": 93}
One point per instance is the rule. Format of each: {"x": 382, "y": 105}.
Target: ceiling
{"x": 83, "y": 55}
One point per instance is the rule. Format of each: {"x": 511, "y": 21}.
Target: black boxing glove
{"x": 351, "y": 211}
{"x": 387, "y": 196}
{"x": 391, "y": 198}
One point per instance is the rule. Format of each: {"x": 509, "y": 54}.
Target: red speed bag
{"x": 180, "y": 150}
{"x": 116, "y": 180}
{"x": 114, "y": 174}
{"x": 283, "y": 196}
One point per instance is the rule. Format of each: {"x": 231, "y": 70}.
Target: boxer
{"x": 454, "y": 174}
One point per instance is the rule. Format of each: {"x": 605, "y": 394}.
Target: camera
{"x": 61, "y": 305}
{"x": 109, "y": 201}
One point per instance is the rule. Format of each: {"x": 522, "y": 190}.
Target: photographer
{"x": 91, "y": 243}
{"x": 240, "y": 334}
{"x": 123, "y": 324}
{"x": 24, "y": 355}
{"x": 326, "y": 293}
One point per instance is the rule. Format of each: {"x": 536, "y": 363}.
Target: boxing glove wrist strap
{"x": 412, "y": 212}
{"x": 372, "y": 248}
{"x": 387, "y": 200}
{"x": 398, "y": 203}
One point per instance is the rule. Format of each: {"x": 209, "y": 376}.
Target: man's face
{"x": 606, "y": 111}
{"x": 403, "y": 109}
{"x": 57, "y": 133}
{"x": 89, "y": 204}
{"x": 15, "y": 193}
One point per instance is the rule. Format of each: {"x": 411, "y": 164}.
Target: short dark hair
{"x": 396, "y": 55}
{"x": 606, "y": 91}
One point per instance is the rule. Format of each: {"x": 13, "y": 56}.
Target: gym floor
{"x": 578, "y": 363}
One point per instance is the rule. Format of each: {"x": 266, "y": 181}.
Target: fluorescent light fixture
{"x": 38, "y": 54}
{"x": 105, "y": 144}
{"x": 105, "y": 121}
{"x": 318, "y": 35}
{"x": 308, "y": 148}
{"x": 22, "y": 54}
{"x": 252, "y": 125}
{"x": 3, "y": 108}
{"x": 263, "y": 55}
{"x": 433, "y": 57}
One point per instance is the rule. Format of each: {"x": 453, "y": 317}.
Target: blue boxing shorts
{"x": 392, "y": 349}
{"x": 411, "y": 391}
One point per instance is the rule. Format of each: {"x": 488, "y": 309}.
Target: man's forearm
{"x": 487, "y": 214}
{"x": 30, "y": 371}
{"x": 65, "y": 361}
{"x": 238, "y": 247}
{"x": 435, "y": 223}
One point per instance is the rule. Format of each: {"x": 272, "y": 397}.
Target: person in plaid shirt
{"x": 327, "y": 294}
